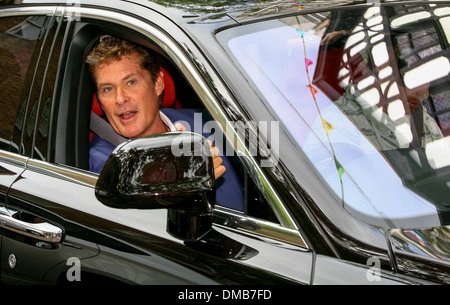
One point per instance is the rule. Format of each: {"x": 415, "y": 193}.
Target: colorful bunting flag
{"x": 339, "y": 167}
{"x": 300, "y": 5}
{"x": 313, "y": 90}
{"x": 327, "y": 126}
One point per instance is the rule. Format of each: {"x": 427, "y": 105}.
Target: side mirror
{"x": 170, "y": 170}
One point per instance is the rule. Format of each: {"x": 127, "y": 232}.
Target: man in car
{"x": 130, "y": 84}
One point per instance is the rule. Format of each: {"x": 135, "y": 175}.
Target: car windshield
{"x": 365, "y": 94}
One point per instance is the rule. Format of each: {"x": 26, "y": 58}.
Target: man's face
{"x": 129, "y": 98}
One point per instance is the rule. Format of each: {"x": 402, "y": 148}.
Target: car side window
{"x": 43, "y": 111}
{"x": 18, "y": 38}
{"x": 254, "y": 202}
{"x": 36, "y": 126}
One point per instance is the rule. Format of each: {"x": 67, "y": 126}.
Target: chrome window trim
{"x": 64, "y": 172}
{"x": 235, "y": 220}
{"x": 25, "y": 11}
{"x": 13, "y": 158}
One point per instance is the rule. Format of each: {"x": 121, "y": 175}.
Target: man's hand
{"x": 219, "y": 169}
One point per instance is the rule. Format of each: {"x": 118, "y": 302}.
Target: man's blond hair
{"x": 111, "y": 48}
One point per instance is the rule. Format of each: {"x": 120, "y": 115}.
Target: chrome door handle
{"x": 10, "y": 220}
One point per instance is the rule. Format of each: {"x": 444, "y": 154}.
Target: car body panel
{"x": 85, "y": 218}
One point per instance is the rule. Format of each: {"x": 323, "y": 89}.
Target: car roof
{"x": 215, "y": 11}
{"x": 196, "y": 12}
{"x": 203, "y": 19}
{"x": 210, "y": 10}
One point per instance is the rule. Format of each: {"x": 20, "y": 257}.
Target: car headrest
{"x": 169, "y": 98}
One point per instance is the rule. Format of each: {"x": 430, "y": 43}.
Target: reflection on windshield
{"x": 353, "y": 83}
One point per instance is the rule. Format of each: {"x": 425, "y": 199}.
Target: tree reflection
{"x": 208, "y": 7}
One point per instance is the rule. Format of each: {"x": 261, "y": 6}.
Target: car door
{"x": 21, "y": 36}
{"x": 30, "y": 244}
{"x": 92, "y": 242}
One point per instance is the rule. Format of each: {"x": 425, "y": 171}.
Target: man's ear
{"x": 159, "y": 83}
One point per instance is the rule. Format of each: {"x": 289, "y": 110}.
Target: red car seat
{"x": 170, "y": 99}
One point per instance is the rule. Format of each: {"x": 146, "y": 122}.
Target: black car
{"x": 335, "y": 115}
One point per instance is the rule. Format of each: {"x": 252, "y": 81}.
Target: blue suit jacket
{"x": 229, "y": 190}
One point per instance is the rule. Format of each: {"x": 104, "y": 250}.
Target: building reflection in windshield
{"x": 364, "y": 93}
{"x": 392, "y": 82}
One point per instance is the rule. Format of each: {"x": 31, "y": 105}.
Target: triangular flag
{"x": 339, "y": 167}
{"x": 327, "y": 126}
{"x": 308, "y": 62}
{"x": 313, "y": 90}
